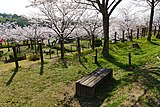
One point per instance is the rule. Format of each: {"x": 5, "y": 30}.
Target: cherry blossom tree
{"x": 62, "y": 16}
{"x": 152, "y": 4}
{"x": 127, "y": 18}
{"x": 16, "y": 34}
{"x": 106, "y": 8}
{"x": 92, "y": 24}
{"x": 6, "y": 32}
{"x": 157, "y": 17}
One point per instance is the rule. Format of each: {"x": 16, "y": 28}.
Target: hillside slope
{"x": 53, "y": 84}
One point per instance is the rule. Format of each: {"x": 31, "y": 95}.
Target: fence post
{"x": 8, "y": 45}
{"x": 93, "y": 39}
{"x": 131, "y": 35}
{"x": 41, "y": 53}
{"x": 88, "y": 45}
{"x": 50, "y": 53}
{"x": 129, "y": 57}
{"x": 62, "y": 46}
{"x": 96, "y": 56}
{"x": 123, "y": 36}
{"x": 137, "y": 33}
{"x": 155, "y": 29}
{"x": 6, "y": 59}
{"x": 115, "y": 36}
{"x": 78, "y": 47}
{"x": 15, "y": 57}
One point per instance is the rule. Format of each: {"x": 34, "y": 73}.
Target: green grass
{"x": 53, "y": 84}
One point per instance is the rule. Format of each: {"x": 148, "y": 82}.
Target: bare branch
{"x": 116, "y": 4}
{"x": 111, "y": 4}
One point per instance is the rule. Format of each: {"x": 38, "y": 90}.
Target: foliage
{"x": 33, "y": 57}
{"x": 18, "y": 55}
{"x": 98, "y": 43}
{"x": 20, "y": 20}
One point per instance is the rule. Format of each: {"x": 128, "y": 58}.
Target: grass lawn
{"x": 53, "y": 83}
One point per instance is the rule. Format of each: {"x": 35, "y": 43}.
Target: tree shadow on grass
{"x": 82, "y": 60}
{"x": 11, "y": 78}
{"x": 147, "y": 79}
{"x": 102, "y": 92}
{"x": 64, "y": 64}
{"x": 98, "y": 64}
{"x": 83, "y": 64}
{"x": 154, "y": 43}
{"x": 112, "y": 59}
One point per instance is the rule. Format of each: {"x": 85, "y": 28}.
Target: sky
{"x": 14, "y": 7}
{"x": 18, "y": 6}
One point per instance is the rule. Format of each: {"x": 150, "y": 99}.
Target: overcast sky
{"x": 14, "y": 7}
{"x": 18, "y": 6}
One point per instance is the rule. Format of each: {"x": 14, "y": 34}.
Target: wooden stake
{"x": 129, "y": 57}
{"x": 15, "y": 57}
{"x": 41, "y": 53}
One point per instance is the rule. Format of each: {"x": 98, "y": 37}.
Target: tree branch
{"x": 114, "y": 7}
{"x": 111, "y": 4}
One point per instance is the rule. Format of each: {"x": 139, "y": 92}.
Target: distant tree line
{"x": 19, "y": 20}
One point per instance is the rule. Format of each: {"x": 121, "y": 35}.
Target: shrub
{"x": 20, "y": 56}
{"x": 33, "y": 57}
{"x": 98, "y": 43}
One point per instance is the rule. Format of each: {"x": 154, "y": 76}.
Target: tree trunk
{"x": 137, "y": 33}
{"x": 78, "y": 48}
{"x": 115, "y": 37}
{"x": 158, "y": 34}
{"x": 155, "y": 28}
{"x": 131, "y": 36}
{"x": 106, "y": 35}
{"x": 159, "y": 30}
{"x": 123, "y": 36}
{"x": 35, "y": 45}
{"x": 93, "y": 41}
{"x": 62, "y": 46}
{"x": 151, "y": 22}
{"x": 49, "y": 42}
{"x": 8, "y": 45}
{"x": 31, "y": 43}
{"x": 41, "y": 53}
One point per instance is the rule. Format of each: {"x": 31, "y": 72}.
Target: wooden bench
{"x": 86, "y": 86}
